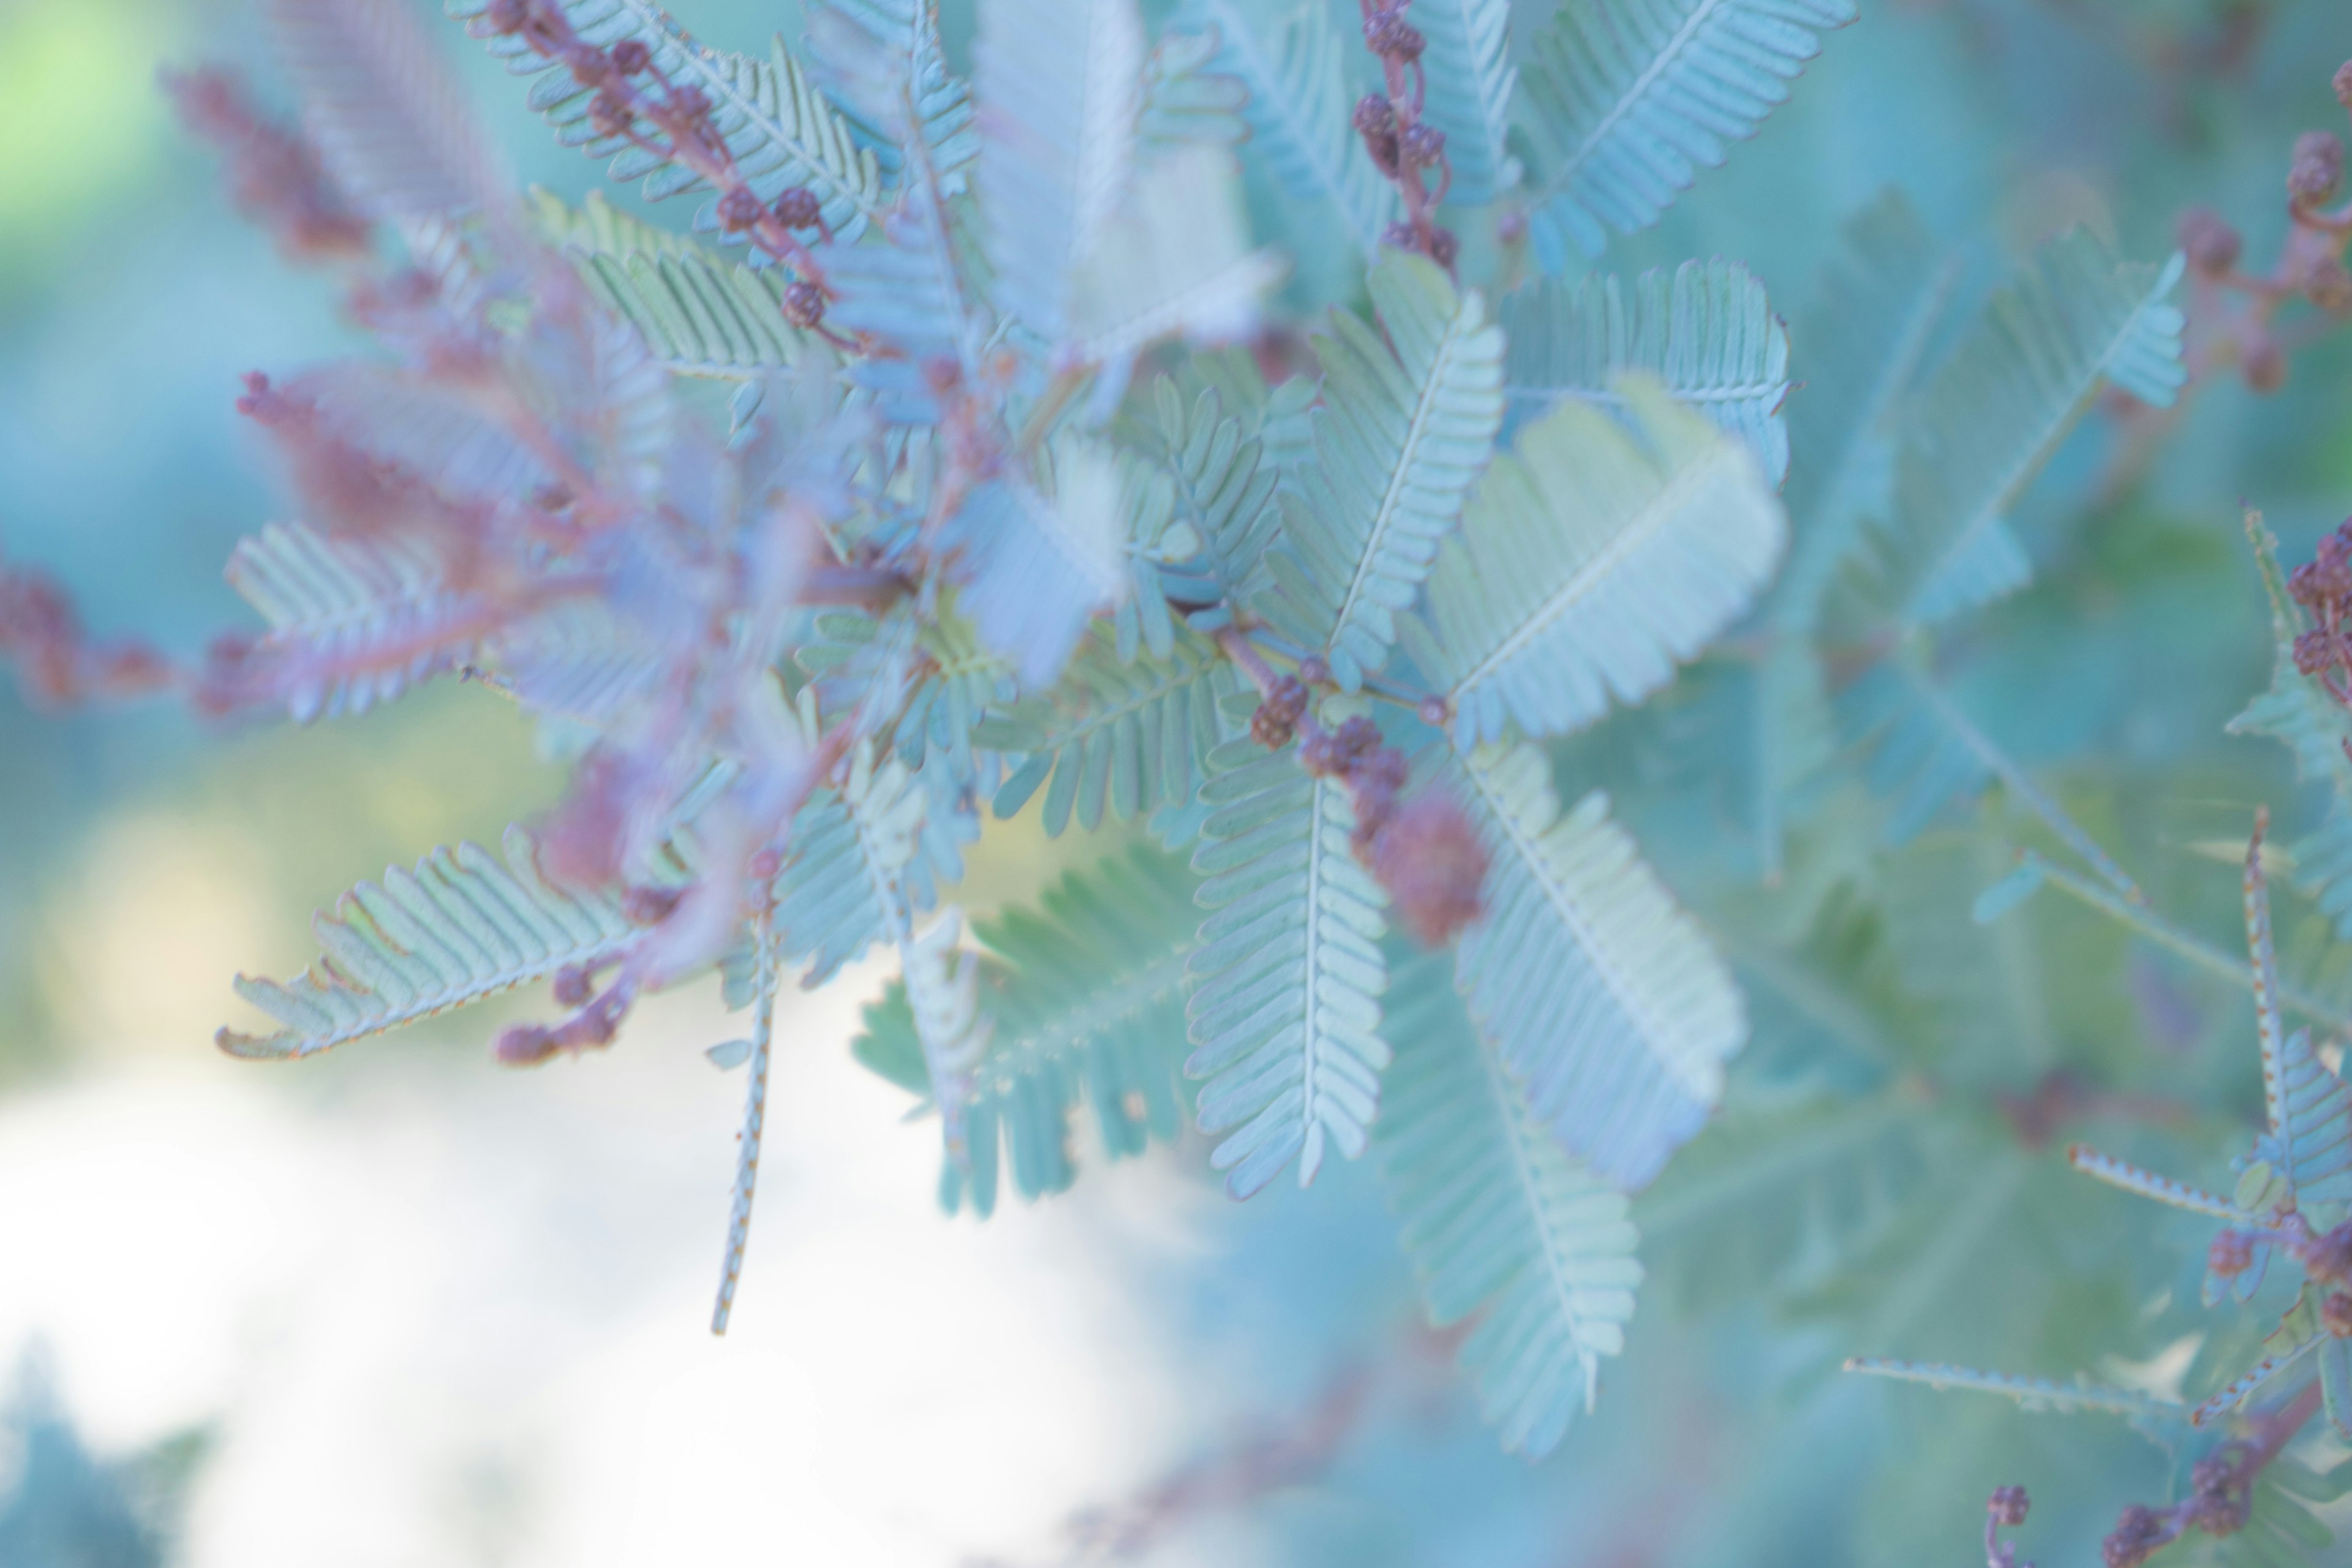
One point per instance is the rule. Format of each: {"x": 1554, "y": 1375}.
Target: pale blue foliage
{"x": 1409, "y": 421}
{"x": 1623, "y": 101}
{"x": 1284, "y": 1014}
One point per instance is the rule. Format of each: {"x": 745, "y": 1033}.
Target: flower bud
{"x": 631, "y": 57}
{"x": 1421, "y": 145}
{"x": 2008, "y": 1506}
{"x": 2211, "y": 245}
{"x": 2317, "y": 168}
{"x": 804, "y": 305}
{"x": 799, "y": 209}
{"x": 739, "y": 209}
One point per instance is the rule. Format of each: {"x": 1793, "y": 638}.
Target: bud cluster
{"x": 2310, "y": 265}
{"x": 2323, "y": 585}
{"x": 636, "y": 102}
{"x": 1409, "y": 153}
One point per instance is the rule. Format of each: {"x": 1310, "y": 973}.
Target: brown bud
{"x": 804, "y": 305}
{"x": 2327, "y": 284}
{"x": 2008, "y": 1506}
{"x": 2230, "y": 1254}
{"x": 1432, "y": 712}
{"x": 2263, "y": 365}
{"x": 2211, "y": 245}
{"x": 1443, "y": 246}
{"x": 1432, "y": 864}
{"x": 2344, "y": 84}
{"x": 573, "y": 985}
{"x": 739, "y": 209}
{"x": 2335, "y": 1314}
{"x": 799, "y": 209}
{"x": 1421, "y": 145}
{"x": 689, "y": 103}
{"x": 1375, "y": 115}
{"x": 525, "y": 1046}
{"x": 590, "y": 67}
{"x": 507, "y": 16}
{"x": 646, "y": 905}
{"x": 608, "y": 116}
{"x": 2138, "y": 1531}
{"x": 2317, "y": 167}
{"x": 1313, "y": 671}
{"x": 631, "y": 58}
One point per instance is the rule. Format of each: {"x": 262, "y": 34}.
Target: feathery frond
{"x": 2039, "y": 1394}
{"x": 1591, "y": 562}
{"x": 1286, "y": 1013}
{"x": 1061, "y": 85}
{"x": 1297, "y": 111}
{"x": 1623, "y": 101}
{"x": 2148, "y": 1184}
{"x": 1598, "y": 992}
{"x": 851, "y": 847}
{"x": 1495, "y": 1216}
{"x": 1995, "y": 413}
{"x": 779, "y": 129}
{"x": 698, "y": 313}
{"x": 390, "y": 119}
{"x": 355, "y": 622}
{"x": 1039, "y": 567}
{"x": 942, "y": 984}
{"x": 1471, "y": 80}
{"x": 1223, "y": 491}
{"x": 882, "y": 60}
{"x": 459, "y": 928}
{"x": 1404, "y": 433}
{"x": 1865, "y": 329}
{"x": 1705, "y": 331}
{"x": 1117, "y": 736}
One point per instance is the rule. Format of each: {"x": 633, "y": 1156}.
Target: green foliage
{"x": 459, "y": 928}
{"x": 1409, "y": 421}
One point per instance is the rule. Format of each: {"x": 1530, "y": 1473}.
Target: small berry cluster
{"x": 2005, "y": 1510}
{"x": 2310, "y": 265}
{"x": 1423, "y": 852}
{"x": 2323, "y": 585}
{"x": 637, "y": 103}
{"x": 1405, "y": 149}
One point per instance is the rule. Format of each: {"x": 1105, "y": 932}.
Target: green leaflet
{"x": 1221, "y": 488}
{"x": 1471, "y": 82}
{"x": 1865, "y": 329}
{"x": 699, "y": 314}
{"x": 1061, "y": 92}
{"x": 1602, "y": 996}
{"x": 1591, "y": 562}
{"x": 1498, "y": 1219}
{"x": 2032, "y": 1393}
{"x": 1297, "y": 110}
{"x": 459, "y": 928}
{"x": 1623, "y": 102}
{"x": 365, "y": 619}
{"x": 1705, "y": 331}
{"x": 851, "y": 849}
{"x": 1085, "y": 994}
{"x": 779, "y": 129}
{"x": 1996, "y": 411}
{"x": 1403, "y": 436}
{"x": 1286, "y": 1013}
{"x": 1114, "y": 736}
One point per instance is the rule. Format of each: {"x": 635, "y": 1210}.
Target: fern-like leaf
{"x": 390, "y": 119}
{"x": 1471, "y": 80}
{"x": 1865, "y": 329}
{"x": 1404, "y": 433}
{"x": 2037, "y": 1394}
{"x": 459, "y": 928}
{"x": 1223, "y": 491}
{"x": 2148, "y": 1184}
{"x": 1117, "y": 737}
{"x": 1060, "y": 86}
{"x": 1286, "y": 1015}
{"x": 1623, "y": 101}
{"x": 883, "y": 61}
{"x": 1994, "y": 414}
{"x": 1707, "y": 333}
{"x": 1038, "y": 567}
{"x": 779, "y": 129}
{"x": 1590, "y": 562}
{"x": 852, "y": 848}
{"x": 699, "y": 314}
{"x": 942, "y": 982}
{"x": 1602, "y": 996}
{"x": 1495, "y": 1216}
{"x": 1297, "y": 113}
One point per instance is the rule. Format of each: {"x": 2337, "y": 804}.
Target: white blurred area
{"x": 442, "y": 1314}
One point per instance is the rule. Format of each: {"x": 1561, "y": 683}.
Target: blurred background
{"x": 398, "y": 1307}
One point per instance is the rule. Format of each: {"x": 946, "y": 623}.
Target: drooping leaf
{"x": 1284, "y": 1014}
{"x": 768, "y": 960}
{"x": 1602, "y": 996}
{"x": 1591, "y": 562}
{"x": 459, "y": 928}
{"x": 1497, "y": 1218}
{"x": 1623, "y": 101}
{"x": 1408, "y": 423}
{"x": 1706, "y": 332}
